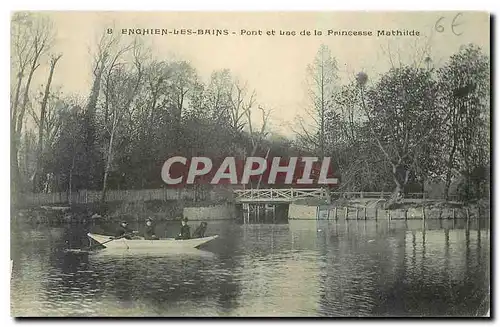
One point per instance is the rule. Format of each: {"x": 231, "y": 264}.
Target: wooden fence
{"x": 382, "y": 195}
{"x": 85, "y": 196}
{"x": 194, "y": 194}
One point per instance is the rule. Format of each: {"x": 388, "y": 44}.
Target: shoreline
{"x": 342, "y": 209}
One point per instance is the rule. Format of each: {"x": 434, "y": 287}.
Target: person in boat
{"x": 185, "y": 233}
{"x": 149, "y": 231}
{"x": 200, "y": 230}
{"x": 123, "y": 229}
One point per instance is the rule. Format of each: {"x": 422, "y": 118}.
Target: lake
{"x": 300, "y": 268}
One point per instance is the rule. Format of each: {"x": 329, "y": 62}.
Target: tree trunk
{"x": 15, "y": 102}
{"x": 70, "y": 200}
{"x": 401, "y": 176}
{"x": 91, "y": 166}
{"x": 41, "y": 124}
{"x": 96, "y": 87}
{"x": 16, "y": 176}
{"x": 449, "y": 172}
{"x": 108, "y": 161}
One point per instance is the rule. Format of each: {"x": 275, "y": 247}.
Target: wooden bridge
{"x": 278, "y": 195}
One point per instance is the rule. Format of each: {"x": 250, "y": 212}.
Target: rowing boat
{"x": 165, "y": 243}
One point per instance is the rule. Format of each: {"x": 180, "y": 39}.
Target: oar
{"x": 115, "y": 238}
{"x": 88, "y": 249}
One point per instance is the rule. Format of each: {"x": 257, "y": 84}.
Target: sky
{"x": 273, "y": 66}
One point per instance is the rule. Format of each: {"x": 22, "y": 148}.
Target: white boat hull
{"x": 142, "y": 244}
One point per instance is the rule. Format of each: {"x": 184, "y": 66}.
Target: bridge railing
{"x": 285, "y": 194}
{"x": 382, "y": 195}
{"x": 297, "y": 193}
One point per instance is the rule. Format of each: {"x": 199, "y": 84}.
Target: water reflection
{"x": 303, "y": 268}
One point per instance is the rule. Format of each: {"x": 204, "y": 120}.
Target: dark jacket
{"x": 149, "y": 233}
{"x": 200, "y": 231}
{"x": 122, "y": 231}
{"x": 185, "y": 233}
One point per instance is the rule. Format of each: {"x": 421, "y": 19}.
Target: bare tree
{"x": 122, "y": 86}
{"x": 41, "y": 123}
{"x": 257, "y": 136}
{"x": 32, "y": 36}
{"x": 321, "y": 80}
{"x": 218, "y": 96}
{"x": 241, "y": 105}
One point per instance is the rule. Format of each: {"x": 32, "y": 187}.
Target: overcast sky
{"x": 275, "y": 66}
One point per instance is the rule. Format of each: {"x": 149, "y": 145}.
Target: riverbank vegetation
{"x": 415, "y": 124}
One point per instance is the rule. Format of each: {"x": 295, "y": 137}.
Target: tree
{"x": 402, "y": 114}
{"x": 464, "y": 89}
{"x": 321, "y": 81}
{"x": 32, "y": 36}
{"x": 68, "y": 152}
{"x": 108, "y": 52}
{"x": 241, "y": 105}
{"x": 122, "y": 86}
{"x": 41, "y": 121}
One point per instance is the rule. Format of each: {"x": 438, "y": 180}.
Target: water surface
{"x": 302, "y": 268}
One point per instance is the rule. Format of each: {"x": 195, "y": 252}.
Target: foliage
{"x": 396, "y": 131}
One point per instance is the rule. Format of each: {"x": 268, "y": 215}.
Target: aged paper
{"x": 222, "y": 164}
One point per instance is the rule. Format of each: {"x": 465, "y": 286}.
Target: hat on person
{"x": 149, "y": 219}
{"x": 185, "y": 219}
{"x": 124, "y": 222}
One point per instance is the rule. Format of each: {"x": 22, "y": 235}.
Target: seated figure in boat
{"x": 185, "y": 233}
{"x": 123, "y": 229}
{"x": 149, "y": 231}
{"x": 200, "y": 230}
